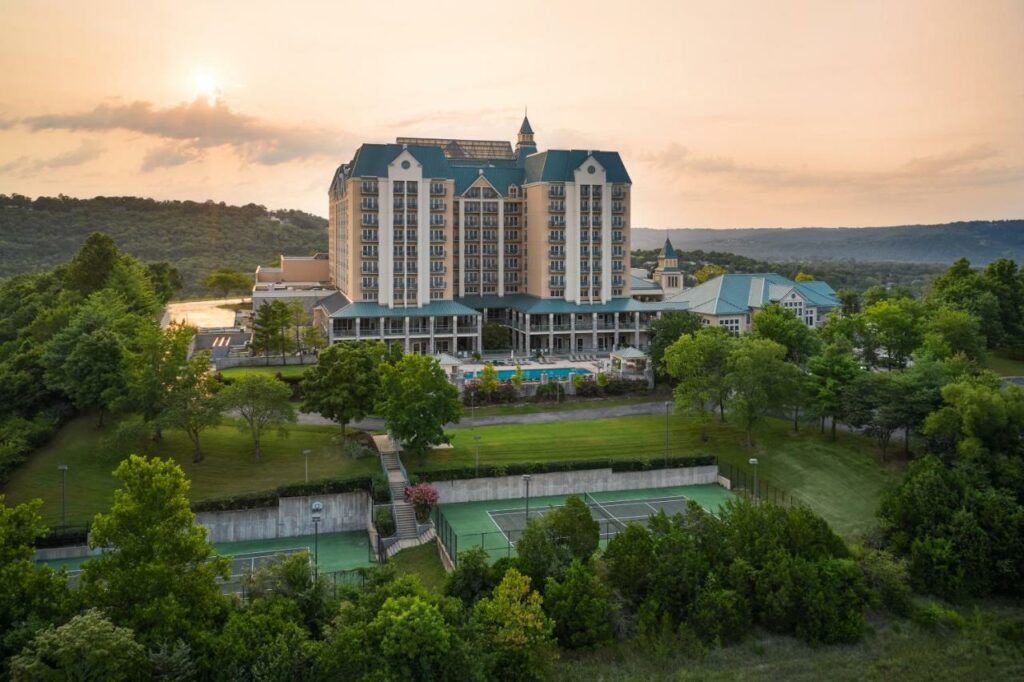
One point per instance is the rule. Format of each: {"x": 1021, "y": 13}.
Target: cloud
{"x": 87, "y": 151}
{"x": 168, "y": 156}
{"x": 197, "y": 126}
{"x": 971, "y": 166}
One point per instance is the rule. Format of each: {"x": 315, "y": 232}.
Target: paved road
{"x": 374, "y": 424}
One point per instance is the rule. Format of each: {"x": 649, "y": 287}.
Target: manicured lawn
{"x": 288, "y": 371}
{"x": 424, "y": 562}
{"x": 1003, "y": 365}
{"x": 229, "y": 467}
{"x": 842, "y": 481}
{"x": 535, "y": 408}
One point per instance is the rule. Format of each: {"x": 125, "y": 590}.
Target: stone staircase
{"x": 405, "y": 515}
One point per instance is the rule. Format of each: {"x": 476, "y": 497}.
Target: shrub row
{"x": 19, "y": 437}
{"x": 518, "y": 469}
{"x": 63, "y": 537}
{"x": 269, "y": 498}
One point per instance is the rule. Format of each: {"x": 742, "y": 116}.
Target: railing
{"x": 743, "y": 480}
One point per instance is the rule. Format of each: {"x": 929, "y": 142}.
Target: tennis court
{"x": 496, "y": 525}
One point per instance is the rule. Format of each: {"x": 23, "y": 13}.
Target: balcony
{"x": 437, "y": 189}
{"x": 556, "y": 221}
{"x": 368, "y": 205}
{"x": 618, "y": 207}
{"x": 556, "y": 191}
{"x": 556, "y": 207}
{"x": 438, "y": 205}
{"x": 618, "y": 193}
{"x": 369, "y": 188}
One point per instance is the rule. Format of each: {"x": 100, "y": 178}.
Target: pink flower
{"x": 422, "y": 495}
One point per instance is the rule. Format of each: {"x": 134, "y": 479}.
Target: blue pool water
{"x": 534, "y": 374}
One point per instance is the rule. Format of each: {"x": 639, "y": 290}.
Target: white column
{"x": 606, "y": 243}
{"x": 529, "y": 335}
{"x": 382, "y": 329}
{"x": 406, "y": 320}
{"x": 455, "y": 333}
{"x": 615, "y": 341}
{"x": 637, "y": 330}
{"x": 462, "y": 246}
{"x": 572, "y": 332}
{"x": 572, "y": 244}
{"x": 386, "y": 252}
{"x": 357, "y": 328}
{"x": 423, "y": 245}
{"x": 430, "y": 322}
{"x": 593, "y": 333}
{"x": 551, "y": 331}
{"x": 501, "y": 246}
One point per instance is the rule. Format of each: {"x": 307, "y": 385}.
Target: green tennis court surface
{"x": 496, "y": 525}
{"x": 336, "y": 551}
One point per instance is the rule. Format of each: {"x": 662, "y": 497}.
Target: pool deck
{"x": 510, "y": 365}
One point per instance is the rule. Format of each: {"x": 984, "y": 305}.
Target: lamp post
{"x": 477, "y": 440}
{"x": 63, "y": 469}
{"x": 753, "y": 462}
{"x": 317, "y": 508}
{"x": 526, "y": 480}
{"x": 305, "y": 455}
{"x": 668, "y": 405}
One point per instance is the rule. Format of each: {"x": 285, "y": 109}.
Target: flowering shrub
{"x": 423, "y": 497}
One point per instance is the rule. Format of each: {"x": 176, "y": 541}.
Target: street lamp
{"x": 305, "y": 454}
{"x": 477, "y": 440}
{"x": 753, "y": 462}
{"x": 668, "y": 405}
{"x": 318, "y": 507}
{"x": 526, "y": 480}
{"x": 63, "y": 469}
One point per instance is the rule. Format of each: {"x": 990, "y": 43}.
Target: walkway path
{"x": 376, "y": 424}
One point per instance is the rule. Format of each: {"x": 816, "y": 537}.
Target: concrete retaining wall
{"x": 260, "y": 361}
{"x": 571, "y": 482}
{"x": 69, "y": 552}
{"x": 292, "y": 516}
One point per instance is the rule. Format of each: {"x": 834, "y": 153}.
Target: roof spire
{"x": 525, "y": 128}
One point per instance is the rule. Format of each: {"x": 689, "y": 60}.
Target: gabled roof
{"x": 500, "y": 178}
{"x": 639, "y": 283}
{"x": 629, "y": 353}
{"x": 736, "y": 294}
{"x": 371, "y": 160}
{"x": 465, "y": 149}
{"x": 558, "y": 165}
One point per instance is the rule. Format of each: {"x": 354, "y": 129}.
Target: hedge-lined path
{"x": 376, "y": 424}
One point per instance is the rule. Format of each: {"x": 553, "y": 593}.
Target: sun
{"x": 206, "y": 85}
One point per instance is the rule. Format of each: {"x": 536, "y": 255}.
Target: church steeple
{"x": 524, "y": 142}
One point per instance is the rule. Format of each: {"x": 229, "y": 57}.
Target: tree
{"x": 496, "y": 336}
{"x": 262, "y": 402}
{"x": 549, "y": 543}
{"x": 225, "y": 280}
{"x": 345, "y": 383}
{"x": 152, "y": 367}
{"x": 699, "y": 362}
{"x": 192, "y": 404}
{"x": 513, "y": 634}
{"x": 488, "y": 380}
{"x": 473, "y": 577}
{"x": 298, "y": 317}
{"x": 896, "y": 324}
{"x": 159, "y": 574}
{"x": 775, "y": 323}
{"x": 803, "y": 277}
{"x": 313, "y": 338}
{"x": 949, "y": 331}
{"x": 270, "y": 330}
{"x": 165, "y": 279}
{"x": 963, "y": 288}
{"x": 831, "y": 371}
{"x": 755, "y": 368}
{"x": 580, "y": 605}
{"x": 88, "y": 647}
{"x": 628, "y": 559}
{"x": 417, "y": 401}
{"x": 517, "y": 379}
{"x": 130, "y": 280}
{"x": 32, "y": 596}
{"x": 671, "y": 327}
{"x": 89, "y": 269}
{"x": 849, "y": 301}
{"x": 709, "y": 271}
{"x": 1006, "y": 282}
{"x": 265, "y": 640}
{"x": 869, "y": 404}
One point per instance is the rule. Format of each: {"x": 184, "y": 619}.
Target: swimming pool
{"x": 534, "y": 374}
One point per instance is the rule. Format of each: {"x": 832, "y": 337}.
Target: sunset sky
{"x": 727, "y": 114}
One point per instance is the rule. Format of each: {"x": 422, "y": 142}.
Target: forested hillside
{"x": 194, "y": 237}
{"x": 979, "y": 241}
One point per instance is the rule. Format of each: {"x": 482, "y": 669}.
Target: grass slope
{"x": 1005, "y": 366}
{"x": 988, "y": 648}
{"x": 286, "y": 371}
{"x": 843, "y": 481}
{"x": 229, "y": 467}
{"x": 424, "y": 562}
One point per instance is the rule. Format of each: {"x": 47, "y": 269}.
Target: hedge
{"x": 518, "y": 469}
{"x": 269, "y": 498}
{"x": 62, "y": 537}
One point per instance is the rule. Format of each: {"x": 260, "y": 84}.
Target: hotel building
{"x": 430, "y": 239}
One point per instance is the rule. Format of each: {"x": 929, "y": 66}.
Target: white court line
{"x": 507, "y": 538}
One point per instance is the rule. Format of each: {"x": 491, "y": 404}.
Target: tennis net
{"x": 603, "y": 511}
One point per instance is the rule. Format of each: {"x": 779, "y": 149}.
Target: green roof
{"x": 499, "y": 177}
{"x": 543, "y": 306}
{"x": 432, "y": 309}
{"x": 371, "y": 160}
{"x": 736, "y": 294}
{"x": 667, "y": 251}
{"x": 559, "y": 165}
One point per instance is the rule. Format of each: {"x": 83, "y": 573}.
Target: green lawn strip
{"x": 1005, "y": 366}
{"x": 287, "y": 371}
{"x": 229, "y": 467}
{"x": 424, "y": 562}
{"x": 567, "y": 406}
{"x": 843, "y": 480}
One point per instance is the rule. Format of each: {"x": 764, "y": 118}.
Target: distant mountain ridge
{"x": 195, "y": 237}
{"x": 979, "y": 241}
